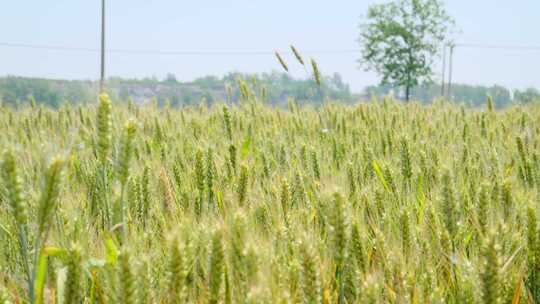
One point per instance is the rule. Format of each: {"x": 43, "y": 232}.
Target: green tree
{"x": 526, "y": 96}
{"x": 400, "y": 40}
{"x": 171, "y": 78}
{"x": 468, "y": 95}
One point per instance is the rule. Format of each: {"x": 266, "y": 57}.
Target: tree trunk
{"x": 407, "y": 92}
{"x": 409, "y": 76}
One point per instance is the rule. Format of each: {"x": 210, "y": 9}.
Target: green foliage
{"x": 379, "y": 202}
{"x": 401, "y": 38}
{"x": 467, "y": 95}
{"x": 274, "y": 88}
{"x": 527, "y": 96}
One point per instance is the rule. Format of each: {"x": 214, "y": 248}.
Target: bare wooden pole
{"x": 443, "y": 70}
{"x": 450, "y": 70}
{"x": 102, "y": 76}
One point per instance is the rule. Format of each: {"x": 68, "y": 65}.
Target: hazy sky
{"x": 242, "y": 25}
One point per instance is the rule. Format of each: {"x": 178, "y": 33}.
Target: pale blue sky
{"x": 248, "y": 25}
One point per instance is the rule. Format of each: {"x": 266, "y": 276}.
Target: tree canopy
{"x": 400, "y": 39}
{"x": 278, "y": 87}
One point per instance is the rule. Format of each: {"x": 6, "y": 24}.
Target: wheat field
{"x": 379, "y": 202}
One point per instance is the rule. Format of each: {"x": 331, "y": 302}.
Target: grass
{"x": 373, "y": 203}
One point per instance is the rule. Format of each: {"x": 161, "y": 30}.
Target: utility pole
{"x": 443, "y": 70}
{"x": 102, "y": 78}
{"x": 450, "y": 70}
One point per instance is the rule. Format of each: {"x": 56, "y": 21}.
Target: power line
{"x": 164, "y": 52}
{"x": 443, "y": 69}
{"x": 498, "y": 46}
{"x": 102, "y": 73}
{"x": 46, "y": 47}
{"x": 236, "y": 53}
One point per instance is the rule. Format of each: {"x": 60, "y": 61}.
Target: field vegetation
{"x": 378, "y": 202}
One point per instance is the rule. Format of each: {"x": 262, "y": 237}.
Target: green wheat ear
{"x": 285, "y": 198}
{"x": 73, "y": 285}
{"x": 104, "y": 127}
{"x": 242, "y": 185}
{"x": 310, "y": 275}
{"x": 483, "y": 215}
{"x": 282, "y": 62}
{"x": 175, "y": 274}
{"x": 232, "y": 158}
{"x": 126, "y": 151}
{"x": 316, "y": 73}
{"x": 315, "y": 165}
{"x": 126, "y": 291}
{"x": 4, "y": 296}
{"x": 491, "y": 277}
{"x": 357, "y": 247}
{"x": 210, "y": 177}
{"x": 533, "y": 279}
{"x": 297, "y": 55}
{"x": 449, "y": 204}
{"x": 405, "y": 233}
{"x": 406, "y": 167}
{"x": 199, "y": 172}
{"x": 144, "y": 294}
{"x": 13, "y": 186}
{"x": 352, "y": 179}
{"x": 50, "y": 192}
{"x": 339, "y": 226}
{"x": 216, "y": 268}
{"x": 227, "y": 121}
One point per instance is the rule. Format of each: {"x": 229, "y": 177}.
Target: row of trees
{"x": 469, "y": 95}
{"x": 277, "y": 88}
{"x": 50, "y": 92}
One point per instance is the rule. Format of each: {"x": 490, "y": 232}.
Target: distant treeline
{"x": 274, "y": 87}
{"x": 469, "y": 95}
